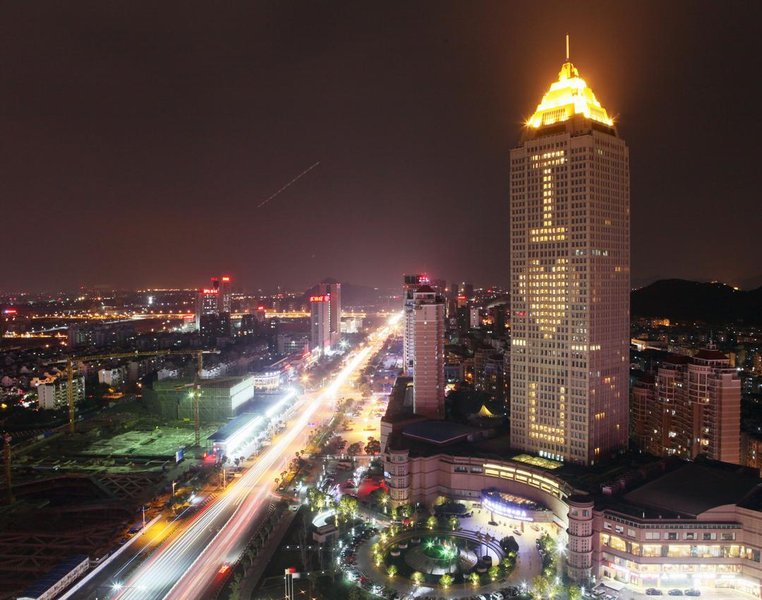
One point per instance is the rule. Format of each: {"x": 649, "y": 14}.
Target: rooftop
{"x": 568, "y": 96}
{"x": 438, "y": 432}
{"x": 694, "y": 488}
{"x": 53, "y": 576}
{"x": 232, "y": 426}
{"x": 711, "y": 355}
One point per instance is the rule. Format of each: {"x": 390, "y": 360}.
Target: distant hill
{"x": 683, "y": 300}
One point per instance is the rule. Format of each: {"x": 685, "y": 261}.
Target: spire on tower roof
{"x": 567, "y": 97}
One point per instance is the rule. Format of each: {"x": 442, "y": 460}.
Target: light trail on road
{"x": 184, "y": 566}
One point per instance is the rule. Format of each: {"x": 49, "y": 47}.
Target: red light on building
{"x": 225, "y": 279}
{"x": 260, "y": 308}
{"x": 10, "y": 311}
{"x": 520, "y": 313}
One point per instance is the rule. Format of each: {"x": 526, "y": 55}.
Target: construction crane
{"x": 196, "y": 383}
{"x": 7, "y": 458}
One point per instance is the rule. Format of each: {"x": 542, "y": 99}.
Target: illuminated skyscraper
{"x": 207, "y": 303}
{"x": 225, "y": 296}
{"x": 410, "y": 283}
{"x": 570, "y": 275}
{"x": 428, "y": 353}
{"x": 332, "y": 289}
{"x": 213, "y": 307}
{"x": 320, "y": 322}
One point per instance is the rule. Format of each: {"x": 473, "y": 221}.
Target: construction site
{"x": 89, "y": 485}
{"x": 84, "y": 492}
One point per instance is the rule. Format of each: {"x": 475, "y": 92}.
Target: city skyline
{"x": 142, "y": 147}
{"x": 350, "y": 301}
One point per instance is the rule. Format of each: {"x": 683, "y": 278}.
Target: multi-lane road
{"x": 181, "y": 560}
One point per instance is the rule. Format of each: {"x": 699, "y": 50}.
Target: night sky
{"x": 137, "y": 139}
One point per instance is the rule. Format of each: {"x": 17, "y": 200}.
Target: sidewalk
{"x": 251, "y": 579}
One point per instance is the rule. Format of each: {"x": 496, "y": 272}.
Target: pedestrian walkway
{"x": 251, "y": 579}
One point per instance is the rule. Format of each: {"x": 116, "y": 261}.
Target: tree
{"x": 475, "y": 579}
{"x": 453, "y": 522}
{"x": 355, "y": 593}
{"x": 539, "y": 586}
{"x": 432, "y": 522}
{"x": 373, "y": 447}
{"x": 347, "y": 507}
{"x": 392, "y": 570}
{"x": 446, "y": 580}
{"x": 235, "y": 587}
{"x": 574, "y": 593}
{"x": 417, "y": 578}
{"x": 493, "y": 572}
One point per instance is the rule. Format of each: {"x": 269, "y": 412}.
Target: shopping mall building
{"x": 645, "y": 522}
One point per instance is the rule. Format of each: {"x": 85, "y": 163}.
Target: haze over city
{"x": 138, "y": 142}
{"x": 394, "y": 301}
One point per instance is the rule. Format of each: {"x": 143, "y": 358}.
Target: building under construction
{"x": 221, "y": 398}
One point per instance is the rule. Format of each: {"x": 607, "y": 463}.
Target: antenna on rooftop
{"x": 567, "y": 47}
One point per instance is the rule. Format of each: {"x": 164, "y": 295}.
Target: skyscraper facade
{"x": 320, "y": 322}
{"x": 224, "y": 298}
{"x": 332, "y": 289}
{"x": 570, "y": 265}
{"x": 410, "y": 283}
{"x": 428, "y": 353}
{"x": 207, "y": 303}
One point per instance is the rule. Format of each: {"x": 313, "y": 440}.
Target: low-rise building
{"x": 112, "y": 377}
{"x": 53, "y": 395}
{"x": 644, "y": 522}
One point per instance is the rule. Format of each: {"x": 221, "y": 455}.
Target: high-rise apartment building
{"x": 320, "y": 322}
{"x": 570, "y": 264}
{"x": 332, "y": 289}
{"x": 213, "y": 307}
{"x": 410, "y": 283}
{"x": 224, "y": 297}
{"x": 428, "y": 353}
{"x": 207, "y": 303}
{"x": 691, "y": 406}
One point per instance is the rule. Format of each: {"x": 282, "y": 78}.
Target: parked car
{"x": 654, "y": 592}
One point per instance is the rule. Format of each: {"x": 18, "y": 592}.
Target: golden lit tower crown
{"x": 567, "y": 97}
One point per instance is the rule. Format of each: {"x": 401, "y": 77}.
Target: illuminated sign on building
{"x": 324, "y": 298}
{"x": 209, "y": 291}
